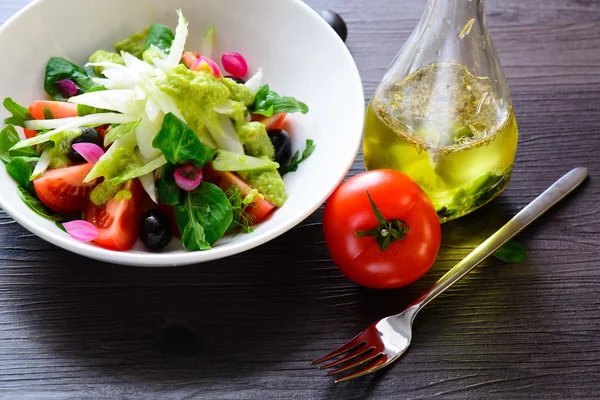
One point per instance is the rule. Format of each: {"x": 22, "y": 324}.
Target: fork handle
{"x": 537, "y": 207}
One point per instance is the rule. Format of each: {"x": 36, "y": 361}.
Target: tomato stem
{"x": 387, "y": 231}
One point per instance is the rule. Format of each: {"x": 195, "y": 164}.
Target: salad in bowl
{"x": 152, "y": 141}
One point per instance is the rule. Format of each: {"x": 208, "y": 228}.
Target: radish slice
{"x": 204, "y": 62}
{"x": 188, "y": 177}
{"x": 67, "y": 87}
{"x": 81, "y": 230}
{"x": 235, "y": 64}
{"x": 89, "y": 151}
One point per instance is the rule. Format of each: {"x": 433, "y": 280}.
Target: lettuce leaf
{"x": 117, "y": 131}
{"x": 228, "y": 161}
{"x": 138, "y": 172}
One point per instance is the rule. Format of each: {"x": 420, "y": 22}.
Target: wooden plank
{"x": 248, "y": 326}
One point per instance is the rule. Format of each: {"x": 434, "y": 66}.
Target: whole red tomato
{"x": 381, "y": 229}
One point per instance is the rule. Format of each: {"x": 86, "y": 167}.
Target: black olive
{"x": 235, "y": 78}
{"x": 283, "y": 146}
{"x": 88, "y": 135}
{"x": 336, "y": 22}
{"x": 155, "y": 229}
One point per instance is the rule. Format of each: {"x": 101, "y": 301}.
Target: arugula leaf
{"x": 19, "y": 113}
{"x": 168, "y": 191}
{"x": 21, "y": 172}
{"x": 58, "y": 69}
{"x": 180, "y": 144}
{"x": 83, "y": 110}
{"x": 267, "y": 103}
{"x": 296, "y": 160}
{"x": 511, "y": 253}
{"x": 34, "y": 203}
{"x": 160, "y": 36}
{"x": 203, "y": 217}
{"x": 8, "y": 138}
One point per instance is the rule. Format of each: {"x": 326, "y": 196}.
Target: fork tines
{"x": 358, "y": 359}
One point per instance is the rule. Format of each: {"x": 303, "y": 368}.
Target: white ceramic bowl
{"x": 301, "y": 56}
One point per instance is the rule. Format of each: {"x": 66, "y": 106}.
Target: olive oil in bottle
{"x": 443, "y": 113}
{"x": 461, "y": 165}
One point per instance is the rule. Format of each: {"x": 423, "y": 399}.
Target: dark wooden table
{"x": 247, "y": 327}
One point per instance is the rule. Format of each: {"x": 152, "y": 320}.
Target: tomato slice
{"x": 29, "y": 133}
{"x": 59, "y": 109}
{"x": 63, "y": 190}
{"x": 170, "y": 211}
{"x": 102, "y": 130}
{"x": 259, "y": 209}
{"x": 276, "y": 121}
{"x": 117, "y": 221}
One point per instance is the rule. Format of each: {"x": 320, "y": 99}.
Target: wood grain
{"x": 247, "y": 327}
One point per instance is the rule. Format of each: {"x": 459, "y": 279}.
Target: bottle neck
{"x": 456, "y": 12}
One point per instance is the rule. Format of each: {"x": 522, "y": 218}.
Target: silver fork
{"x": 384, "y": 341}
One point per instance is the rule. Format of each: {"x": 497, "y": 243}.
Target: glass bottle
{"x": 443, "y": 113}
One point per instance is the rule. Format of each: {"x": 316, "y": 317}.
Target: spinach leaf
{"x": 168, "y": 191}
{"x": 19, "y": 113}
{"x": 511, "y": 253}
{"x": 83, "y": 110}
{"x": 296, "y": 159}
{"x": 59, "y": 225}
{"x": 58, "y": 69}
{"x": 120, "y": 130}
{"x": 180, "y": 144}
{"x": 203, "y": 217}
{"x": 21, "y": 172}
{"x": 267, "y": 103}
{"x": 8, "y": 138}
{"x": 34, "y": 203}
{"x": 160, "y": 36}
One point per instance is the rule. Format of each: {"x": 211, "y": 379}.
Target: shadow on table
{"x": 263, "y": 312}
{"x": 231, "y": 318}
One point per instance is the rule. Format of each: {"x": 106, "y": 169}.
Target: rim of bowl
{"x": 195, "y": 257}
